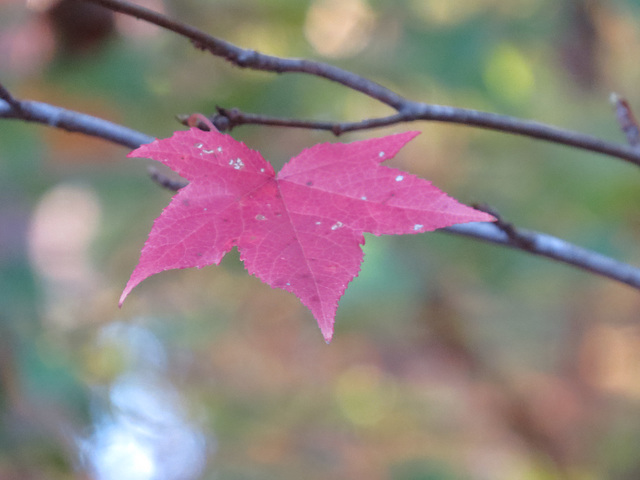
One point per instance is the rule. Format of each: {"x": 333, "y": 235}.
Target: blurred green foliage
{"x": 451, "y": 359}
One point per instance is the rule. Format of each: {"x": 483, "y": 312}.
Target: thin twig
{"x": 407, "y": 110}
{"x": 227, "y": 119}
{"x": 10, "y": 99}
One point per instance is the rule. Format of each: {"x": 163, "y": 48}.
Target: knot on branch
{"x": 198, "y": 44}
{"x": 246, "y": 58}
{"x": 226, "y": 119}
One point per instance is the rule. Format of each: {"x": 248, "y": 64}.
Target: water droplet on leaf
{"x": 399, "y": 178}
{"x": 337, "y": 225}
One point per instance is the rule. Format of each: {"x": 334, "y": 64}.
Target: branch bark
{"x": 407, "y": 110}
{"x": 71, "y": 121}
{"x": 554, "y": 248}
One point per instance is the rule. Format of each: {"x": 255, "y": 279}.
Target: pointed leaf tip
{"x": 125, "y": 293}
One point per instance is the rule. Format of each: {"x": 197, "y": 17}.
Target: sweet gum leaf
{"x": 300, "y": 230}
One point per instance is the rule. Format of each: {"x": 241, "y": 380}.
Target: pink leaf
{"x": 299, "y": 231}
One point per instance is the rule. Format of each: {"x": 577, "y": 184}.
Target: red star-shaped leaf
{"x": 299, "y": 230}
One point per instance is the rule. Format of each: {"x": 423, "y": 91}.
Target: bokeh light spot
{"x": 509, "y": 75}
{"x": 339, "y": 28}
{"x": 363, "y": 396}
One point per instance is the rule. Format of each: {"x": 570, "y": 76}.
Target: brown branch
{"x": 246, "y": 58}
{"x": 407, "y": 110}
{"x": 227, "y": 119}
{"x": 554, "y": 248}
{"x": 10, "y": 99}
{"x": 58, "y": 117}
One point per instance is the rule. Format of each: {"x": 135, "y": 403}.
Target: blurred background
{"x": 451, "y": 359}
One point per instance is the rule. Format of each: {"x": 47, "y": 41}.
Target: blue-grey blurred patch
{"x": 141, "y": 427}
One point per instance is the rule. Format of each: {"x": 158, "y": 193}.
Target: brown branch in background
{"x": 626, "y": 119}
{"x": 407, "y": 110}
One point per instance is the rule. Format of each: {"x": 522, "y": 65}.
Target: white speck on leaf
{"x": 260, "y": 217}
{"x": 363, "y": 198}
{"x": 417, "y": 227}
{"x": 237, "y": 163}
{"x": 219, "y": 149}
{"x": 207, "y": 151}
{"x": 318, "y": 223}
{"x": 197, "y": 145}
{"x": 399, "y": 178}
{"x": 337, "y": 225}
{"x": 381, "y": 154}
